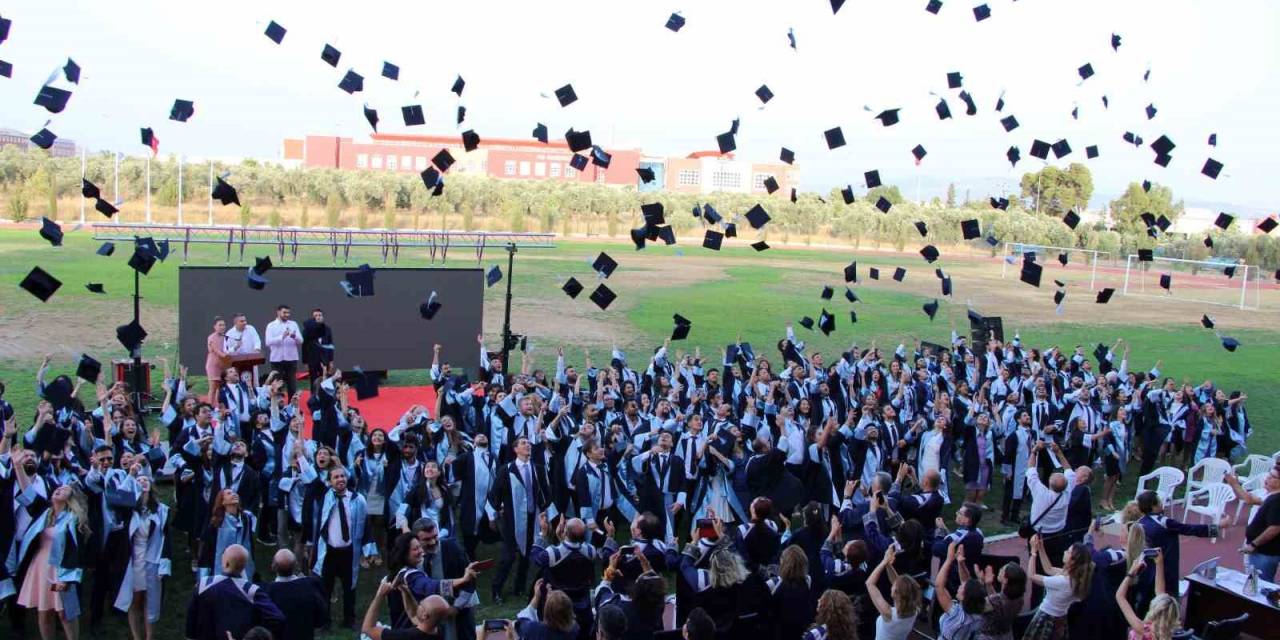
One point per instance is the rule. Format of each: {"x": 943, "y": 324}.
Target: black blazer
{"x": 303, "y": 604}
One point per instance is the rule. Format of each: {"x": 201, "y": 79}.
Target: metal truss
{"x": 289, "y": 240}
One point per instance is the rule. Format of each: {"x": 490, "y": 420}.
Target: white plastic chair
{"x": 1212, "y": 472}
{"x": 1164, "y": 481}
{"x": 1216, "y": 497}
{"x": 1251, "y": 472}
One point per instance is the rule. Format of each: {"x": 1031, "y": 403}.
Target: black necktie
{"x": 342, "y": 520}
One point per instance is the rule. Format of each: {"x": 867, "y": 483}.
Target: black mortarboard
{"x": 255, "y": 279}
{"x": 72, "y": 71}
{"x": 443, "y": 160}
{"x": 107, "y": 249}
{"x": 95, "y": 287}
{"x": 1071, "y": 219}
{"x": 372, "y": 116}
{"x": 1223, "y": 221}
{"x": 1163, "y": 222}
{"x": 872, "y": 178}
{"x": 578, "y": 140}
{"x": 1059, "y": 296}
{"x": 954, "y": 80}
{"x": 931, "y": 308}
{"x": 675, "y": 22}
{"x": 431, "y": 307}
{"x": 1267, "y": 225}
{"x": 1031, "y": 273}
{"x": 975, "y": 318}
{"x": 646, "y": 174}
{"x": 49, "y": 230}
{"x": 540, "y": 133}
{"x": 1085, "y": 71}
{"x": 1163, "y": 160}
{"x": 1208, "y": 242}
{"x": 667, "y": 235}
{"x": 835, "y": 138}
{"x": 1229, "y": 343}
{"x": 458, "y": 85}
{"x": 1104, "y": 296}
{"x": 826, "y": 323}
{"x": 358, "y": 284}
{"x": 930, "y": 253}
{"x": 1009, "y": 122}
{"x": 712, "y": 240}
{"x": 1091, "y": 151}
{"x": 225, "y": 193}
{"x": 1166, "y": 282}
{"x": 1206, "y": 321}
{"x": 899, "y": 274}
{"x": 888, "y": 117}
{"x": 572, "y": 287}
{"x": 462, "y": 114}
{"x": 1064, "y": 258}
{"x": 757, "y": 216}
{"x": 764, "y": 94}
{"x": 770, "y": 184}
{"x": 1148, "y": 218}
{"x": 969, "y": 107}
{"x": 330, "y": 55}
{"x": 1075, "y": 113}
{"x": 970, "y": 229}
{"x": 981, "y": 12}
{"x": 991, "y": 240}
{"x": 760, "y": 246}
{"x": 182, "y": 110}
{"x": 726, "y": 143}
{"x": 653, "y": 213}
{"x": 847, "y": 194}
{"x": 53, "y": 99}
{"x": 1115, "y": 42}
{"x": 1061, "y": 149}
{"x": 105, "y": 208}
{"x": 710, "y": 214}
{"x": 1000, "y": 203}
{"x": 1145, "y": 255}
{"x": 922, "y": 228}
{"x": 946, "y": 286}
{"x": 827, "y": 292}
{"x": 884, "y": 205}
{"x": 6, "y": 69}
{"x": 788, "y": 156}
{"x": 603, "y": 297}
{"x": 351, "y": 82}
{"x": 1151, "y": 110}
{"x": 604, "y": 265}
{"x": 493, "y": 276}
{"x": 89, "y": 190}
{"x": 1163, "y": 145}
{"x": 934, "y": 6}
{"x": 44, "y": 138}
{"x": 835, "y": 6}
{"x": 566, "y": 96}
{"x": 1040, "y": 149}
{"x": 850, "y": 295}
{"x": 142, "y": 261}
{"x": 275, "y": 32}
{"x": 851, "y": 272}
{"x": 430, "y": 177}
{"x": 40, "y": 284}
{"x": 807, "y": 323}
{"x": 680, "y": 330}
{"x": 578, "y": 161}
{"x": 88, "y": 369}
{"x": 1213, "y": 139}
{"x": 942, "y": 109}
{"x": 874, "y": 273}
{"x": 470, "y": 140}
{"x": 131, "y": 335}
{"x": 1013, "y": 155}
{"x": 1229, "y": 271}
{"x": 730, "y": 230}
{"x": 1211, "y": 168}
{"x": 413, "y": 115}
{"x": 1146, "y": 188}
{"x": 366, "y": 384}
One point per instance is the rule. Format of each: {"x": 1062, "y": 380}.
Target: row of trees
{"x": 277, "y": 196}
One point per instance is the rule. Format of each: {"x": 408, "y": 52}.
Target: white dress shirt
{"x": 335, "y": 525}
{"x": 246, "y": 341}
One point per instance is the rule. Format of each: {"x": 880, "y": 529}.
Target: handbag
{"x": 1028, "y": 526}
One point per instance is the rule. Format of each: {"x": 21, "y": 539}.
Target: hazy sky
{"x": 1214, "y": 68}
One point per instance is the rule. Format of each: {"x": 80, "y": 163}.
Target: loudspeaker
{"x": 990, "y": 327}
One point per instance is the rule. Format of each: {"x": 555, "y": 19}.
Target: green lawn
{"x": 755, "y": 294}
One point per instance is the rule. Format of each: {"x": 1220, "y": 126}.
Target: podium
{"x": 124, "y": 373}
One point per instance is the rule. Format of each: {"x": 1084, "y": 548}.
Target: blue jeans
{"x": 1266, "y": 565}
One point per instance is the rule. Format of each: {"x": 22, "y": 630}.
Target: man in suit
{"x": 571, "y": 565}
{"x": 229, "y": 605}
{"x": 1079, "y": 506}
{"x": 660, "y": 483}
{"x": 594, "y": 490}
{"x": 444, "y": 559}
{"x": 519, "y": 495}
{"x": 1163, "y": 532}
{"x": 338, "y": 538}
{"x": 300, "y": 598}
{"x": 475, "y": 471}
{"x": 232, "y": 473}
{"x": 967, "y": 534}
{"x": 317, "y": 346}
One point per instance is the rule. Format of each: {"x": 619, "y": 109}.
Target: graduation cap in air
{"x": 225, "y": 193}
{"x": 930, "y": 253}
{"x": 95, "y": 287}
{"x": 72, "y": 71}
{"x": 275, "y": 32}
{"x": 645, "y": 173}
{"x": 681, "y": 327}
{"x": 946, "y": 286}
{"x": 330, "y": 55}
{"x": 44, "y": 138}
{"x": 1145, "y": 255}
{"x": 872, "y": 178}
{"x": 458, "y": 85}
{"x": 577, "y": 140}
{"x": 1229, "y": 343}
{"x": 1013, "y": 155}
{"x": 847, "y": 194}
{"x": 1229, "y": 271}
{"x": 934, "y": 6}
{"x": 710, "y": 214}
{"x": 366, "y": 384}
{"x": 1009, "y": 123}
{"x": 604, "y": 265}
{"x": 49, "y": 230}
{"x": 1072, "y": 219}
{"x": 142, "y": 260}
{"x": 1166, "y": 282}
{"x": 770, "y": 184}
{"x": 1000, "y": 203}
{"x": 413, "y": 115}
{"x": 431, "y": 307}
{"x": 1211, "y": 168}
{"x": 1104, "y": 296}
{"x": 969, "y": 107}
{"x": 826, "y": 323}
{"x": 371, "y": 115}
{"x": 1063, "y": 258}
{"x": 888, "y": 117}
{"x": 981, "y": 12}
{"x": 1085, "y": 71}
{"x": 931, "y": 308}
{"x": 760, "y": 246}
{"x": 1163, "y": 145}
{"x": 1223, "y": 221}
{"x": 88, "y": 369}
{"x": 182, "y": 110}
{"x": 1061, "y": 149}
{"x": 851, "y": 272}
{"x": 131, "y": 335}
{"x": 40, "y": 284}
{"x": 53, "y": 99}
{"x": 566, "y": 96}
{"x": 89, "y": 190}
{"x": 943, "y": 110}
{"x": 540, "y": 133}
{"x": 1148, "y": 218}
{"x": 470, "y": 140}
{"x": 791, "y": 38}
{"x": 1091, "y": 151}
{"x": 359, "y": 283}
{"x": 1163, "y": 222}
{"x": 493, "y": 276}
{"x": 1206, "y": 321}
{"x": 874, "y": 273}
{"x": 834, "y": 137}
{"x": 899, "y": 274}
{"x": 653, "y": 213}
{"x": 255, "y": 279}
{"x": 107, "y": 249}
{"x": 922, "y": 228}
{"x": 884, "y": 205}
{"x": 603, "y": 297}
{"x": 351, "y": 82}
{"x": 1208, "y": 242}
{"x": 764, "y": 94}
{"x": 726, "y": 143}
{"x": 1040, "y": 149}
{"x": 443, "y": 160}
{"x": 991, "y": 240}
{"x": 1267, "y": 225}
{"x": 757, "y": 216}
{"x": 667, "y": 235}
{"x": 572, "y": 287}
{"x": 1031, "y": 273}
{"x": 105, "y": 208}
{"x": 970, "y": 229}
{"x": 788, "y": 156}
{"x": 712, "y": 240}
{"x": 6, "y": 69}
{"x": 675, "y": 22}
{"x": 827, "y": 293}
{"x": 578, "y": 161}
{"x": 807, "y": 323}
{"x": 955, "y": 80}
{"x": 730, "y": 230}
{"x": 1151, "y": 110}
{"x": 430, "y": 177}
{"x": 850, "y": 295}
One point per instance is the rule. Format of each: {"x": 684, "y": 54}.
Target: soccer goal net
{"x": 1224, "y": 282}
{"x": 1069, "y": 264}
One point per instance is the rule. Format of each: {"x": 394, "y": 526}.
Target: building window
{"x": 687, "y": 178}
{"x": 570, "y": 172}
{"x": 376, "y": 162}
{"x": 420, "y": 163}
{"x": 540, "y": 169}
{"x": 757, "y": 181}
{"x": 362, "y": 161}
{"x": 392, "y": 163}
{"x": 555, "y": 169}
{"x": 600, "y": 176}
{"x": 725, "y": 180}
{"x": 407, "y": 162}
{"x": 509, "y": 168}
{"x": 524, "y": 167}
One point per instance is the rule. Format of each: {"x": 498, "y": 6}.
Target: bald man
{"x": 427, "y": 619}
{"x": 300, "y": 598}
{"x": 570, "y": 566}
{"x": 230, "y": 605}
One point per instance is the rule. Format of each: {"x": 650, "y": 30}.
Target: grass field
{"x": 736, "y": 291}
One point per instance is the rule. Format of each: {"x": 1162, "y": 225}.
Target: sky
{"x": 1215, "y": 68}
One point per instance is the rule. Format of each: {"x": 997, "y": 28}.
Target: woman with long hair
{"x": 646, "y": 599}
{"x": 429, "y": 498}
{"x": 1006, "y": 591}
{"x": 549, "y": 616}
{"x": 1163, "y": 616}
{"x": 369, "y": 464}
{"x": 141, "y": 589}
{"x": 1115, "y": 456}
{"x": 1210, "y": 433}
{"x": 228, "y": 525}
{"x": 46, "y": 562}
{"x": 216, "y": 358}
{"x": 895, "y": 620}
{"x": 1062, "y": 588}
{"x": 791, "y": 601}
{"x": 962, "y": 613}
{"x": 835, "y": 618}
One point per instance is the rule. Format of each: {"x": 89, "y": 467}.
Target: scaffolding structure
{"x": 289, "y": 240}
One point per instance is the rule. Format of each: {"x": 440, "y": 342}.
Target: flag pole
{"x": 148, "y": 189}
{"x": 180, "y": 159}
{"x": 211, "y": 192}
{"x": 82, "y": 177}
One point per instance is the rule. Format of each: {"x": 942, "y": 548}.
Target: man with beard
{"x": 475, "y": 471}
{"x": 443, "y": 559}
{"x": 113, "y": 495}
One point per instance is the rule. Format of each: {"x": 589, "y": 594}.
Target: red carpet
{"x": 384, "y": 411}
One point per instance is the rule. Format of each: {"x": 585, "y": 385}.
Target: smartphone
{"x": 706, "y": 528}
{"x": 495, "y": 625}
{"x": 627, "y": 551}
{"x": 485, "y": 565}
{"x": 1150, "y": 552}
